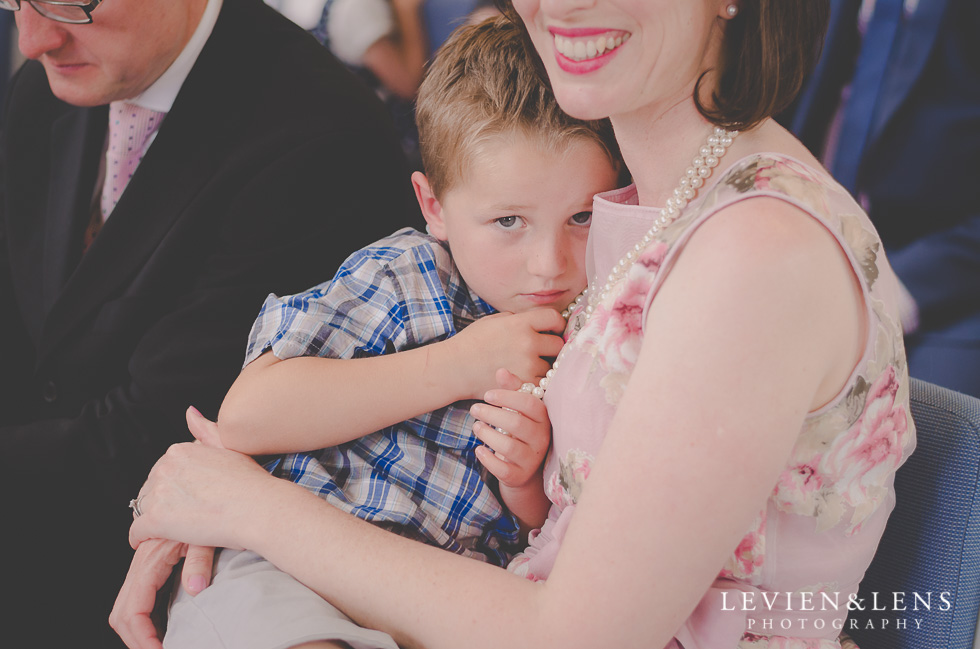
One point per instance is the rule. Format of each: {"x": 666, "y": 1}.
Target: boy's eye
{"x": 507, "y": 221}
{"x": 582, "y": 218}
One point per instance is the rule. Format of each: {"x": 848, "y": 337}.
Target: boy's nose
{"x": 550, "y": 259}
{"x": 38, "y": 35}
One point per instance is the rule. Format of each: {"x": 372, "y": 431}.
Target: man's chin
{"x": 76, "y": 85}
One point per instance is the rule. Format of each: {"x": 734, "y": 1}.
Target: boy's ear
{"x": 431, "y": 208}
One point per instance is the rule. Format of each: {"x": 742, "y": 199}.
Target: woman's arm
{"x": 304, "y": 403}
{"x": 737, "y": 352}
{"x": 398, "y": 60}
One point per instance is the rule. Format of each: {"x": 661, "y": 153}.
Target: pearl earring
{"x": 732, "y": 10}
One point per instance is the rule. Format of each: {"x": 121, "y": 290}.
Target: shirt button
{"x": 50, "y": 391}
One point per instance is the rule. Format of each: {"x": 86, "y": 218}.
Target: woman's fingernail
{"x": 196, "y": 584}
{"x": 195, "y": 411}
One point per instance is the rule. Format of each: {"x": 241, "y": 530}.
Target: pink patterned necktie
{"x": 130, "y": 126}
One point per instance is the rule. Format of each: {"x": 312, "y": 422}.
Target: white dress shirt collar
{"x": 161, "y": 94}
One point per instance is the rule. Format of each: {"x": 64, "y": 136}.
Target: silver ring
{"x": 134, "y": 504}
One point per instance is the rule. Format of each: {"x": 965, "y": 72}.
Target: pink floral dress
{"x": 812, "y": 540}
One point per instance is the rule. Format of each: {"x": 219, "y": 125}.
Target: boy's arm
{"x": 303, "y": 403}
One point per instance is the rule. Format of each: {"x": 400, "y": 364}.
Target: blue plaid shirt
{"x": 419, "y": 478}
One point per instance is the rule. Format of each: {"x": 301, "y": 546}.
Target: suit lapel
{"x": 916, "y": 41}
{"x": 76, "y": 144}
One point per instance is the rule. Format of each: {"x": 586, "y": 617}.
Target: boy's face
{"x": 518, "y": 222}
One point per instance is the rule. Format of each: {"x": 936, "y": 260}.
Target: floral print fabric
{"x": 820, "y": 526}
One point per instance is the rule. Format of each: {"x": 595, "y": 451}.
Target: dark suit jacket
{"x": 271, "y": 167}
{"x": 921, "y": 166}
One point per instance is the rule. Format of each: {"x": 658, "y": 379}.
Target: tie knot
{"x": 130, "y": 127}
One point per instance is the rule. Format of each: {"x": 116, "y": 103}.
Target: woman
{"x": 736, "y": 392}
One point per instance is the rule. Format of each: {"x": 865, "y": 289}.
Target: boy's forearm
{"x": 305, "y": 403}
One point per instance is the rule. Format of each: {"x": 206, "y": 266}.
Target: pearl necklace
{"x": 693, "y": 179}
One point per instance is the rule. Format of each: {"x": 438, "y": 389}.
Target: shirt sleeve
{"x": 353, "y": 26}
{"x": 381, "y": 300}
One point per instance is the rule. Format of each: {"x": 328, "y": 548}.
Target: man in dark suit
{"x": 125, "y": 300}
{"x": 894, "y": 109}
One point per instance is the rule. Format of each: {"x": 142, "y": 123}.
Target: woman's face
{"x": 611, "y": 57}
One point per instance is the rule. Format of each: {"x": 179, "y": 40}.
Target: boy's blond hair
{"x": 482, "y": 85}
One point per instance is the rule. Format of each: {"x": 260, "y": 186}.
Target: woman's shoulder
{"x": 774, "y": 162}
{"x": 777, "y": 185}
{"x": 825, "y": 255}
{"x": 782, "y": 175}
{"x": 765, "y": 203}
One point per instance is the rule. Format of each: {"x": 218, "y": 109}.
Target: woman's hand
{"x": 201, "y": 495}
{"x": 152, "y": 565}
{"x": 132, "y": 614}
{"x": 195, "y": 575}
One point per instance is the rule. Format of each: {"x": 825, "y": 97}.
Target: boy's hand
{"x": 515, "y": 427}
{"x": 519, "y": 343}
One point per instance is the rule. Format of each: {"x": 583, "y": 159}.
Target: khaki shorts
{"x": 251, "y": 604}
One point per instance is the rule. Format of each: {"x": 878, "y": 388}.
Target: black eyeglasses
{"x": 75, "y": 13}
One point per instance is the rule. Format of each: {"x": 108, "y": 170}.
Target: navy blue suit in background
{"x": 918, "y": 167}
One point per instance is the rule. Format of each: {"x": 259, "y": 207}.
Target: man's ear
{"x": 431, "y": 208}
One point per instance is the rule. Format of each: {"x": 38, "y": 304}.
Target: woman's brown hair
{"x": 769, "y": 49}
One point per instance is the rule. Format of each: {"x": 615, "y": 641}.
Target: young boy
{"x": 508, "y": 191}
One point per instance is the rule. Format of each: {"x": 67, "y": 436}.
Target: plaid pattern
{"x": 419, "y": 478}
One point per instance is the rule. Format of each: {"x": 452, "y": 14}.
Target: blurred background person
{"x": 384, "y": 43}
{"x": 305, "y": 13}
{"x": 893, "y": 110}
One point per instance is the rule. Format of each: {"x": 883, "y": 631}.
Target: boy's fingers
{"x": 546, "y": 320}
{"x": 521, "y": 402}
{"x": 499, "y": 468}
{"x": 203, "y": 429}
{"x": 550, "y": 345}
{"x": 500, "y": 440}
{"x": 507, "y": 418}
{"x": 507, "y": 380}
